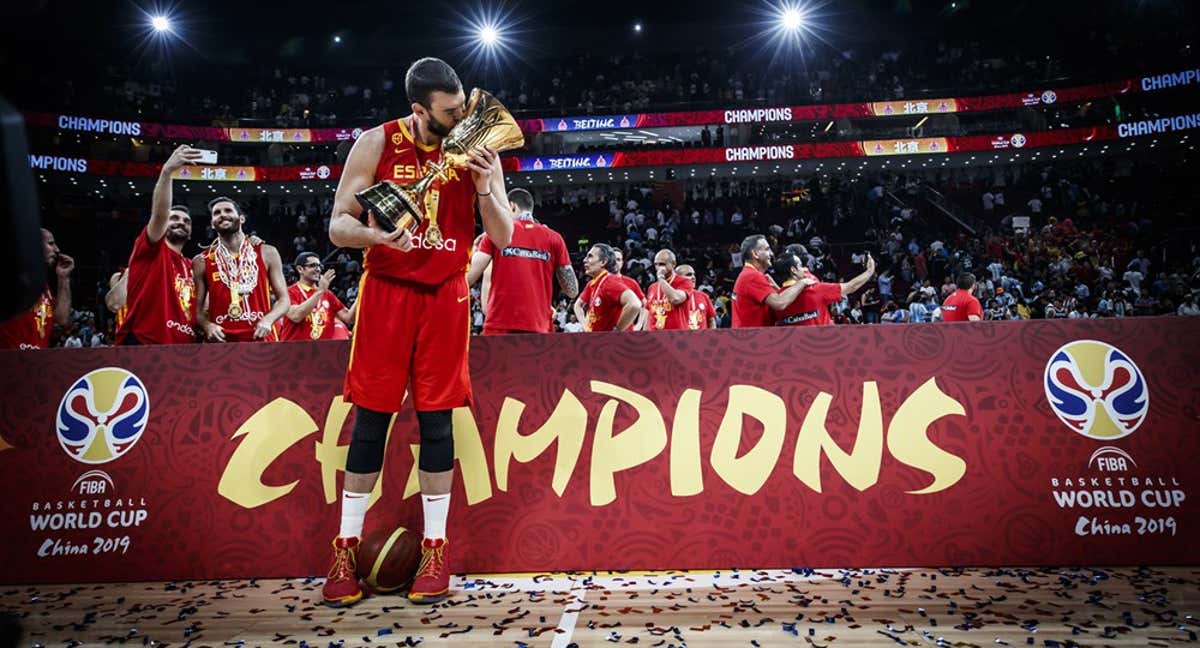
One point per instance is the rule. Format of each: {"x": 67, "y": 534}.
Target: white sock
{"x": 354, "y": 510}
{"x": 436, "y": 508}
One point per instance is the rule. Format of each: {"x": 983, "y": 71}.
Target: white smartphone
{"x": 207, "y": 156}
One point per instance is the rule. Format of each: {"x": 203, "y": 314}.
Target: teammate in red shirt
{"x": 413, "y": 323}
{"x": 611, "y": 304}
{"x": 632, "y": 284}
{"x": 235, "y": 280}
{"x": 666, "y": 299}
{"x": 961, "y": 305}
{"x": 755, "y": 297}
{"x": 700, "y": 311}
{"x": 811, "y": 308}
{"x": 32, "y": 329}
{"x": 521, "y": 285}
{"x": 160, "y": 290}
{"x": 316, "y": 312}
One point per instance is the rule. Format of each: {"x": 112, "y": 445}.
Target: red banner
{"x": 1045, "y": 96}
{"x": 777, "y": 153}
{"x": 990, "y": 443}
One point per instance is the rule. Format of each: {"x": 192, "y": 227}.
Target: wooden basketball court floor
{"x": 826, "y": 607}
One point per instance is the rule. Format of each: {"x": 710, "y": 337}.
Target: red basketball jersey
{"x": 238, "y": 323}
{"x": 449, "y": 203}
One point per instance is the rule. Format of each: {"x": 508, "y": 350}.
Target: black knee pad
{"x": 437, "y": 441}
{"x": 367, "y": 441}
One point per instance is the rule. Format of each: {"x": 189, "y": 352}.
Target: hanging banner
{"x": 991, "y": 443}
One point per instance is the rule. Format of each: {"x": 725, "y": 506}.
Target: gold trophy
{"x": 488, "y": 123}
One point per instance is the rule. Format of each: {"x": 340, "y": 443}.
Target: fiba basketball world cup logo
{"x": 1096, "y": 390}
{"x": 102, "y": 415}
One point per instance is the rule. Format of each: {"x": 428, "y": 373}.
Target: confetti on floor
{"x": 1054, "y": 608}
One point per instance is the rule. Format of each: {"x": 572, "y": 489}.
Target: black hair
{"x": 966, "y": 280}
{"x": 429, "y": 75}
{"x": 783, "y": 266}
{"x": 303, "y": 258}
{"x": 220, "y": 199}
{"x": 182, "y": 208}
{"x": 521, "y": 199}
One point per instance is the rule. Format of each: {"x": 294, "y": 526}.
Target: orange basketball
{"x": 388, "y": 559}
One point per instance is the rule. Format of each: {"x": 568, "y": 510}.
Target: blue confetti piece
{"x": 384, "y": 631}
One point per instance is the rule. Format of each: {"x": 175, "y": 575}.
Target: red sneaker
{"x": 432, "y": 583}
{"x": 341, "y": 587}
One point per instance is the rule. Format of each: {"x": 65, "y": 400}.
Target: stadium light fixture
{"x": 637, "y": 27}
{"x": 791, "y": 19}
{"x": 160, "y": 23}
{"x": 489, "y": 35}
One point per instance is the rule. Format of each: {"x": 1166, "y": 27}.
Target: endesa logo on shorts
{"x": 102, "y": 415}
{"x": 1096, "y": 390}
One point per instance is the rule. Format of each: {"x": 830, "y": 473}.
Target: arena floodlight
{"x": 490, "y": 39}
{"x": 160, "y": 23}
{"x": 637, "y": 27}
{"x": 489, "y": 35}
{"x": 791, "y": 20}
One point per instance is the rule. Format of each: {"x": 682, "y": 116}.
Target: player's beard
{"x": 178, "y": 235}
{"x": 437, "y": 128}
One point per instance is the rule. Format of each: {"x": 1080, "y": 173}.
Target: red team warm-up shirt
{"x": 811, "y": 308}
{"x": 959, "y": 305}
{"x": 699, "y": 310}
{"x": 451, "y": 202}
{"x": 254, "y": 305}
{"x": 322, "y": 322}
{"x": 662, "y": 314}
{"x": 523, "y": 278}
{"x": 31, "y": 329}
{"x": 637, "y": 292}
{"x": 159, "y": 296}
{"x": 602, "y": 299}
{"x": 750, "y": 292}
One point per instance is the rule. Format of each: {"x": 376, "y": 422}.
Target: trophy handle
{"x": 439, "y": 172}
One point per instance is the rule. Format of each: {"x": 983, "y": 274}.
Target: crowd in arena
{"x": 1100, "y": 241}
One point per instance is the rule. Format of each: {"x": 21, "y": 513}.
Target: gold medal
{"x": 235, "y": 307}
{"x": 433, "y": 234}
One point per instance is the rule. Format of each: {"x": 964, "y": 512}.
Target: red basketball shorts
{"x": 410, "y": 336}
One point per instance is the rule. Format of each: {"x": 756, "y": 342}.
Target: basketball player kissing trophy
{"x": 488, "y": 123}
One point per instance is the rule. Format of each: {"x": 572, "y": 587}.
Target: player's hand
{"x": 261, "y": 330}
{"x": 481, "y": 159}
{"x": 64, "y": 266}
{"x": 326, "y": 280}
{"x": 661, "y": 272}
{"x": 214, "y": 332}
{"x": 808, "y": 281}
{"x": 399, "y": 239}
{"x": 181, "y": 156}
{"x": 870, "y": 263}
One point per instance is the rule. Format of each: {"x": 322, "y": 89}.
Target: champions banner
{"x": 646, "y": 120}
{"x": 666, "y": 157}
{"x": 997, "y": 443}
{"x": 779, "y": 153}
